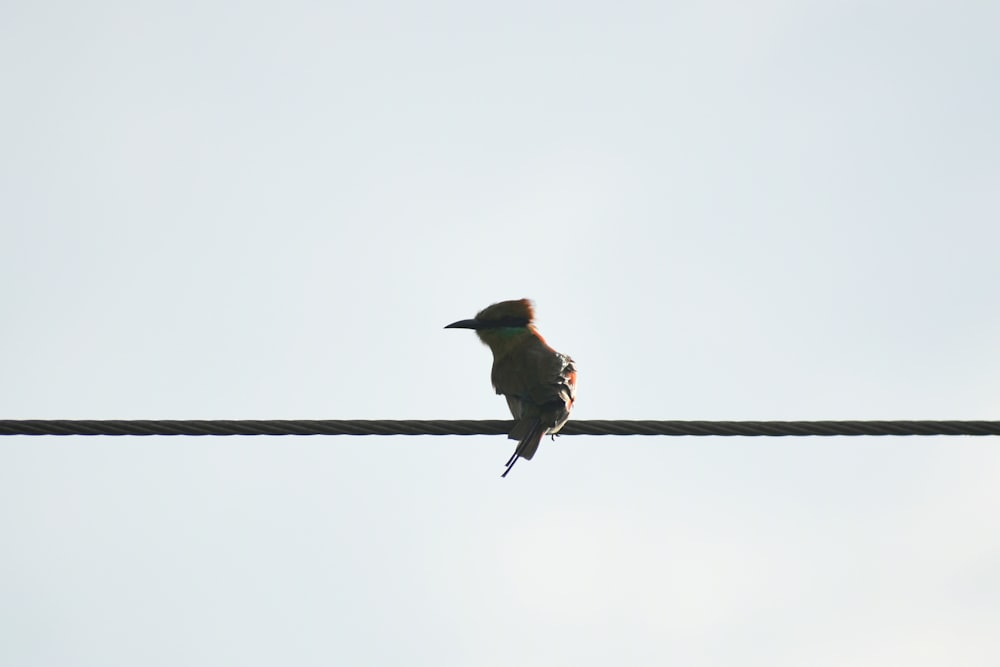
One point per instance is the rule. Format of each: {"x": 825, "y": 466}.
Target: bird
{"x": 538, "y": 382}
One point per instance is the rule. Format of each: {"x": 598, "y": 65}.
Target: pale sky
{"x": 723, "y": 210}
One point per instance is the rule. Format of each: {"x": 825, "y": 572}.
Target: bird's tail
{"x": 529, "y": 433}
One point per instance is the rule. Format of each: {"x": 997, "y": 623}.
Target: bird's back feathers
{"x": 540, "y": 386}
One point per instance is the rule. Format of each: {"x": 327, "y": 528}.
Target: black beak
{"x": 465, "y": 324}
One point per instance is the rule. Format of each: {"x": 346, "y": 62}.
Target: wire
{"x": 221, "y": 427}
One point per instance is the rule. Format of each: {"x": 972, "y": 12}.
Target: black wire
{"x": 486, "y": 427}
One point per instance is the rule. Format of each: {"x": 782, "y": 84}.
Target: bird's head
{"x": 500, "y": 322}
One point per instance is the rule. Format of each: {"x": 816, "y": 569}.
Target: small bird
{"x": 538, "y": 382}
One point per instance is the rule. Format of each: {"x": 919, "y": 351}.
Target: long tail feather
{"x": 528, "y": 445}
{"x": 510, "y": 464}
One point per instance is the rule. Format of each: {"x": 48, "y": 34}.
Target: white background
{"x": 723, "y": 210}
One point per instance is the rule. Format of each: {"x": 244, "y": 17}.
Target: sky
{"x": 722, "y": 210}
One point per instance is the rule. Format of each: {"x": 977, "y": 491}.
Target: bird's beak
{"x": 465, "y": 324}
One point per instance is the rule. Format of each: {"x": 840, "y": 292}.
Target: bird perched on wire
{"x": 538, "y": 382}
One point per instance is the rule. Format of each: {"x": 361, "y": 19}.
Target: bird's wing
{"x": 536, "y": 374}
{"x": 567, "y": 380}
{"x": 545, "y": 409}
{"x": 557, "y": 380}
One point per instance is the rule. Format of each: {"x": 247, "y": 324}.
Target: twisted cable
{"x": 220, "y": 427}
